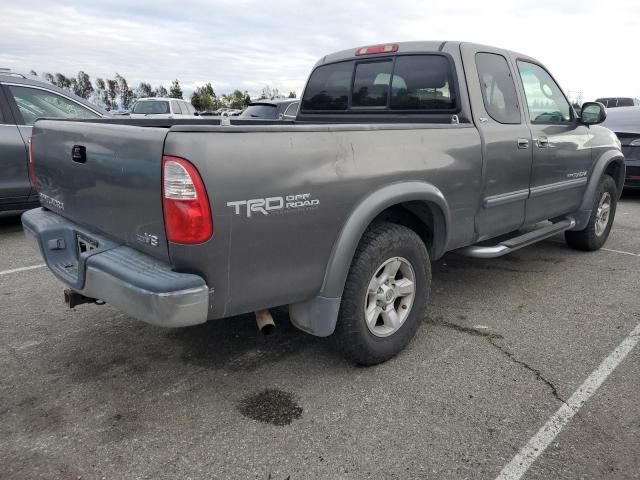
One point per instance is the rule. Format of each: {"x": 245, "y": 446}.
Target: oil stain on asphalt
{"x": 271, "y": 406}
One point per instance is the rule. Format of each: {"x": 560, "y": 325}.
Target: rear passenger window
{"x": 175, "y": 106}
{"x": 328, "y": 87}
{"x": 422, "y": 82}
{"x": 371, "y": 84}
{"x": 498, "y": 89}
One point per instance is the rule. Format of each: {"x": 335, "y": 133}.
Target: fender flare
{"x": 319, "y": 315}
{"x": 583, "y": 214}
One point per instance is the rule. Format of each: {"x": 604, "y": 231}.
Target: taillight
{"x": 32, "y": 166}
{"x": 187, "y": 215}
{"x": 389, "y": 48}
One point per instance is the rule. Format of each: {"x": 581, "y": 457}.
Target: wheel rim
{"x": 390, "y": 296}
{"x": 603, "y": 213}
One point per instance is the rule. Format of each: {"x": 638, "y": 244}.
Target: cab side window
{"x": 545, "y": 100}
{"x": 498, "y": 89}
{"x": 34, "y": 103}
{"x": 175, "y": 106}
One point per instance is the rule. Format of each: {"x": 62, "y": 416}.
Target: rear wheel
{"x": 385, "y": 295}
{"x": 602, "y": 214}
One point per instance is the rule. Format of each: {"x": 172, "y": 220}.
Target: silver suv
{"x": 23, "y": 99}
{"x": 162, "y": 108}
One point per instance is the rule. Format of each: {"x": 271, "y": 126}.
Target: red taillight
{"x": 373, "y": 49}
{"x": 187, "y": 216}
{"x": 32, "y": 166}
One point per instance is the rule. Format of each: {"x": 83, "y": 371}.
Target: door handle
{"x": 543, "y": 142}
{"x": 523, "y": 143}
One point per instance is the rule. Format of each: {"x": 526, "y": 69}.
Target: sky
{"x": 589, "y": 46}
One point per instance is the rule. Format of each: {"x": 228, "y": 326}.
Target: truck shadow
{"x": 10, "y": 222}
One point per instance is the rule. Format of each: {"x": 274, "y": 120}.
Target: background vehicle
{"x": 399, "y": 153}
{"x": 272, "y": 109}
{"x": 613, "y": 102}
{"x": 625, "y": 122}
{"x": 23, "y": 99}
{"x": 161, "y": 108}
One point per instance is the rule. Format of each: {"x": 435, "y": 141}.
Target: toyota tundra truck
{"x": 398, "y": 154}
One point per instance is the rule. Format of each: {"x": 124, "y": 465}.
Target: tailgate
{"x": 105, "y": 177}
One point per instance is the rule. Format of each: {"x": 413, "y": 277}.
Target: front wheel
{"x": 385, "y": 295}
{"x": 602, "y": 214}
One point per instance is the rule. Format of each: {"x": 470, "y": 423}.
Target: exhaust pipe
{"x": 265, "y": 322}
{"x": 73, "y": 299}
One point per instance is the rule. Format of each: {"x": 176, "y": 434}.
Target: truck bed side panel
{"x": 261, "y": 259}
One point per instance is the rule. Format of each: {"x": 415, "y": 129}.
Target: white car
{"x": 162, "y": 108}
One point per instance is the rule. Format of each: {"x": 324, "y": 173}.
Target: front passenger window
{"x": 35, "y": 103}
{"x": 545, "y": 100}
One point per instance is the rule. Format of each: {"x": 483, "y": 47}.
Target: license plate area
{"x": 85, "y": 244}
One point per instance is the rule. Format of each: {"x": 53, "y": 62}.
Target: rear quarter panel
{"x": 263, "y": 260}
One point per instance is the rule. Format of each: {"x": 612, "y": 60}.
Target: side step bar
{"x": 516, "y": 243}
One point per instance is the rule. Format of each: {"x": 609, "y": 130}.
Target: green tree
{"x": 62, "y": 81}
{"x": 145, "y": 90}
{"x": 126, "y": 94}
{"x": 204, "y": 98}
{"x": 292, "y": 94}
{"x": 161, "y": 92}
{"x": 49, "y": 78}
{"x": 176, "y": 90}
{"x": 101, "y": 92}
{"x": 84, "y": 87}
{"x": 33, "y": 73}
{"x": 112, "y": 93}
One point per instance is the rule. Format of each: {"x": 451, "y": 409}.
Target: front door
{"x": 561, "y": 155}
{"x": 506, "y": 141}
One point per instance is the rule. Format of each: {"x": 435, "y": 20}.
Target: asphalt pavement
{"x": 90, "y": 393}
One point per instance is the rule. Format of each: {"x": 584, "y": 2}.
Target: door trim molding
{"x": 505, "y": 198}
{"x": 558, "y": 186}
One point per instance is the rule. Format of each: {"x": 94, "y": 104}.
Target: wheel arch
{"x": 418, "y": 205}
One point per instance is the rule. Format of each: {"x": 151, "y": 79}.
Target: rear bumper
{"x": 134, "y": 283}
{"x": 632, "y": 177}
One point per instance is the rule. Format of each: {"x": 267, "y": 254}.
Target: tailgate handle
{"x": 79, "y": 153}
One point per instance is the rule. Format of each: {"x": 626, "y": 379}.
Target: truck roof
{"x": 410, "y": 47}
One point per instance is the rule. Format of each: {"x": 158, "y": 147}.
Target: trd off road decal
{"x": 266, "y": 206}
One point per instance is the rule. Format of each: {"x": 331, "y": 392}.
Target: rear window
{"x": 328, "y": 87}
{"x": 151, "y": 107}
{"x": 401, "y": 83}
{"x": 263, "y": 110}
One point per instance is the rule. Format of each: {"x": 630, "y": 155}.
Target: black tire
{"x": 589, "y": 239}
{"x": 381, "y": 242}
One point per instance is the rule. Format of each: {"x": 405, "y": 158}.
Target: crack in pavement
{"x": 492, "y": 339}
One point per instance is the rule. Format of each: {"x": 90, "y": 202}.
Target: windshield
{"x": 153, "y": 107}
{"x": 263, "y": 110}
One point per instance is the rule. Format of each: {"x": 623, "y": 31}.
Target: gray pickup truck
{"x": 398, "y": 154}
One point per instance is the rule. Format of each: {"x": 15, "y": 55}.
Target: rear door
{"x": 561, "y": 152}
{"x": 506, "y": 140}
{"x": 14, "y": 179}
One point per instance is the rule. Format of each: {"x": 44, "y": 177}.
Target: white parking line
{"x": 620, "y": 251}
{"x": 16, "y": 270}
{"x": 519, "y": 465}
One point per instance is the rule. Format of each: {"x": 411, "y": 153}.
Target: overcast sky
{"x": 589, "y": 46}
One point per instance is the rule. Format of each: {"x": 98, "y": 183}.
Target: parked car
{"x": 23, "y": 99}
{"x": 272, "y": 109}
{"x": 625, "y": 122}
{"x": 162, "y": 108}
{"x": 613, "y": 102}
{"x": 399, "y": 153}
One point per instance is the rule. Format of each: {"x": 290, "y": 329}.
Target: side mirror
{"x": 593, "y": 113}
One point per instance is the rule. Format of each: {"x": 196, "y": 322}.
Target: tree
{"x": 176, "y": 90}
{"x": 62, "y": 81}
{"x": 73, "y": 85}
{"x": 49, "y": 78}
{"x": 84, "y": 89}
{"x": 101, "y": 92}
{"x": 204, "y": 98}
{"x": 238, "y": 99}
{"x": 33, "y": 73}
{"x": 292, "y": 94}
{"x": 144, "y": 90}
{"x": 112, "y": 93}
{"x": 161, "y": 91}
{"x": 126, "y": 94}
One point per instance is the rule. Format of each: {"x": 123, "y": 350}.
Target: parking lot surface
{"x": 91, "y": 393}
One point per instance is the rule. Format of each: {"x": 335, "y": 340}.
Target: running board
{"x": 516, "y": 243}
